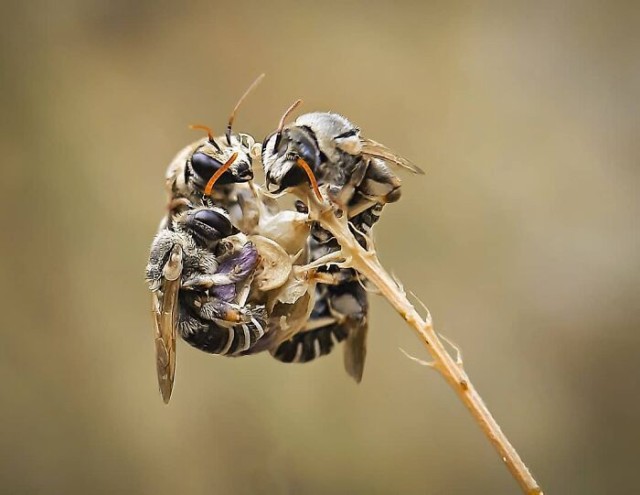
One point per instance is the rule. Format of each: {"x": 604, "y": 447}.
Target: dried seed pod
{"x": 275, "y": 264}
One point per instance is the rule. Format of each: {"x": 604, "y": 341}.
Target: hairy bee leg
{"x": 217, "y": 309}
{"x": 161, "y": 249}
{"x": 232, "y": 270}
{"x": 206, "y": 281}
{"x": 215, "y": 337}
{"x": 362, "y": 224}
{"x": 341, "y": 196}
{"x": 380, "y": 184}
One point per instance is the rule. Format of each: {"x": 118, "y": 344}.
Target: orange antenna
{"x": 200, "y": 127}
{"x": 287, "y": 112}
{"x": 282, "y": 121}
{"x": 312, "y": 178}
{"x": 218, "y": 174}
{"x": 242, "y": 98}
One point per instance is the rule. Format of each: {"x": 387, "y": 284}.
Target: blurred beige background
{"x": 522, "y": 239}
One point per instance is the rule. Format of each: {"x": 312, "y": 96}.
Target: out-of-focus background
{"x": 522, "y": 239}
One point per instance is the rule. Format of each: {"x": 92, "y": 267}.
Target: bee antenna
{"x": 200, "y": 127}
{"x": 218, "y": 174}
{"x": 242, "y": 98}
{"x": 312, "y": 178}
{"x": 283, "y": 119}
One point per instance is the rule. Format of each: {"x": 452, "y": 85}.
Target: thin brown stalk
{"x": 366, "y": 262}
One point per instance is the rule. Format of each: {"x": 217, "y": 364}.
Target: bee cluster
{"x": 235, "y": 271}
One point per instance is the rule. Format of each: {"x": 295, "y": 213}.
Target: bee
{"x": 189, "y": 291}
{"x": 325, "y": 148}
{"x": 198, "y": 270}
{"x": 191, "y": 173}
{"x": 354, "y": 167}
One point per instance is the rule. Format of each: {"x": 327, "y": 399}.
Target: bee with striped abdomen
{"x": 196, "y": 270}
{"x": 328, "y": 149}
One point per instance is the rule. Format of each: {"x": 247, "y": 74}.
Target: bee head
{"x": 213, "y": 153}
{"x": 207, "y": 225}
{"x": 291, "y": 156}
{"x": 281, "y": 157}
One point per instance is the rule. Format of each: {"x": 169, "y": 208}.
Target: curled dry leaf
{"x": 275, "y": 264}
{"x": 289, "y": 228}
{"x": 293, "y": 290}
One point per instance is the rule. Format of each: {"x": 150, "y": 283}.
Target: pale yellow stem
{"x": 367, "y": 263}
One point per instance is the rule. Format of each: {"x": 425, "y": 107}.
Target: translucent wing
{"x": 374, "y": 149}
{"x": 355, "y": 349}
{"x": 165, "y": 310}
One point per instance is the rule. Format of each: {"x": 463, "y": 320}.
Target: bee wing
{"x": 374, "y": 149}
{"x": 165, "y": 310}
{"x": 355, "y": 349}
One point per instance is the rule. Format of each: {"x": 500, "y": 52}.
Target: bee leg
{"x": 380, "y": 184}
{"x": 161, "y": 249}
{"x": 216, "y": 337}
{"x": 204, "y": 281}
{"x": 362, "y": 224}
{"x": 213, "y": 308}
{"x": 343, "y": 195}
{"x": 234, "y": 269}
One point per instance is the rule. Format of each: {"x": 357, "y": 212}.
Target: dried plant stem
{"x": 367, "y": 263}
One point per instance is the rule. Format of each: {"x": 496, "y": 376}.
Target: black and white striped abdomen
{"x": 217, "y": 337}
{"x": 339, "y": 310}
{"x": 310, "y": 344}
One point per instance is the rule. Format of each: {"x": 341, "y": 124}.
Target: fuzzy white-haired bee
{"x": 353, "y": 166}
{"x": 198, "y": 270}
{"x": 327, "y": 148}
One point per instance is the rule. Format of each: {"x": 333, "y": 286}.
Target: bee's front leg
{"x": 342, "y": 196}
{"x": 380, "y": 184}
{"x": 213, "y": 308}
{"x": 161, "y": 249}
{"x": 232, "y": 270}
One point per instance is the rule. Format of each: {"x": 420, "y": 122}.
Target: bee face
{"x": 322, "y": 140}
{"x": 209, "y": 155}
{"x": 281, "y": 152}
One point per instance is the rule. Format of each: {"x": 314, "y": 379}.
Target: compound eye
{"x": 212, "y": 224}
{"x": 307, "y": 151}
{"x": 303, "y": 144}
{"x": 205, "y": 166}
